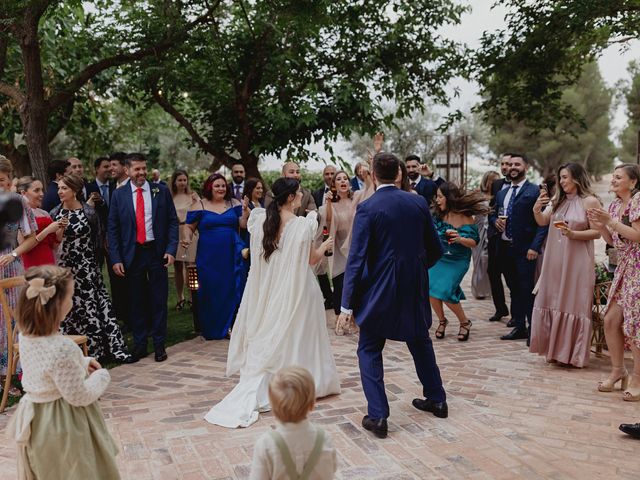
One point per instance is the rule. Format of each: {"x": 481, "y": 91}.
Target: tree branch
{"x": 12, "y": 92}
{"x": 77, "y": 82}
{"x": 4, "y": 46}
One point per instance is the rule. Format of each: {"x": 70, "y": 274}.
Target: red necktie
{"x": 141, "y": 232}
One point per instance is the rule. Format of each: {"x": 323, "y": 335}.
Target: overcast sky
{"x": 613, "y": 65}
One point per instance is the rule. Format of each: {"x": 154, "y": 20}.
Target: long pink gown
{"x": 561, "y": 321}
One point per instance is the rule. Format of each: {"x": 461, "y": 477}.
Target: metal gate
{"x": 451, "y": 162}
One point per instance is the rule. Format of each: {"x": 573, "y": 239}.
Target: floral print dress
{"x": 625, "y": 287}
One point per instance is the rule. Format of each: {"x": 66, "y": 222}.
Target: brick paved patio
{"x": 511, "y": 416}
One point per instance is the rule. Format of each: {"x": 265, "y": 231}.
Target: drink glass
{"x": 559, "y": 222}
{"x": 450, "y": 232}
{"x": 502, "y": 215}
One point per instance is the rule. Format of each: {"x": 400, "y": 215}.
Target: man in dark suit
{"x": 357, "y": 182}
{"x": 318, "y": 196}
{"x": 520, "y": 243}
{"x": 237, "y": 183}
{"x": 143, "y": 239}
{"x": 99, "y": 191}
{"x": 386, "y": 288}
{"x": 55, "y": 171}
{"x": 493, "y": 262}
{"x": 327, "y": 174}
{"x": 421, "y": 184}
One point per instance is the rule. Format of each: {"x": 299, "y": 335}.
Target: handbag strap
{"x": 289, "y": 465}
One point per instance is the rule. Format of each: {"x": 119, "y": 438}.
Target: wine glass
{"x": 559, "y": 222}
{"x": 502, "y": 215}
{"x": 450, "y": 233}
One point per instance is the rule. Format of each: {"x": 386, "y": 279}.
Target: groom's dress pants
{"x": 370, "y": 347}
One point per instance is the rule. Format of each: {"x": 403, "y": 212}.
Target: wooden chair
{"x": 600, "y": 293}
{"x": 13, "y": 348}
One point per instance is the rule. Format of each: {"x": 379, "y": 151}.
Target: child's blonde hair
{"x": 292, "y": 393}
{"x": 40, "y": 301}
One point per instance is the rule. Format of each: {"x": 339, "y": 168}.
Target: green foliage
{"x": 548, "y": 149}
{"x": 271, "y": 77}
{"x": 629, "y": 136}
{"x": 525, "y": 68}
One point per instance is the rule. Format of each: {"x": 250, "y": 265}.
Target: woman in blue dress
{"x": 453, "y": 216}
{"x": 222, "y": 272}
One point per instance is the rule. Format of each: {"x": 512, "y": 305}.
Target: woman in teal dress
{"x": 453, "y": 216}
{"x": 222, "y": 272}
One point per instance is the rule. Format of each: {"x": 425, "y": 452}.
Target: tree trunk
{"x": 18, "y": 158}
{"x": 35, "y": 121}
{"x": 250, "y": 163}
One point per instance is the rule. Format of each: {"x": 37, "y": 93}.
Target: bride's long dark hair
{"x": 281, "y": 189}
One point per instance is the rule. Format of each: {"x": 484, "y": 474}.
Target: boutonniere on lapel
{"x": 154, "y": 191}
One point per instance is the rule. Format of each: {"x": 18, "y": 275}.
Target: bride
{"x": 281, "y": 320}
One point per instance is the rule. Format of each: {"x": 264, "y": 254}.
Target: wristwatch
{"x": 14, "y": 254}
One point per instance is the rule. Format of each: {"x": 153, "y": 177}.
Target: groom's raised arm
{"x": 357, "y": 257}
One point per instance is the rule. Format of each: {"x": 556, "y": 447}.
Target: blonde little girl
{"x": 58, "y": 426}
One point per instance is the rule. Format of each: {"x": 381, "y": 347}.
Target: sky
{"x": 613, "y": 65}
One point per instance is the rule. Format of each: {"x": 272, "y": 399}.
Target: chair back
{"x": 7, "y": 311}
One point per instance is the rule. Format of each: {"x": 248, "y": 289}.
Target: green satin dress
{"x": 447, "y": 274}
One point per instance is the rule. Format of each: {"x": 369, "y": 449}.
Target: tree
{"x": 525, "y": 68}
{"x": 629, "y": 136}
{"x": 548, "y": 148}
{"x": 274, "y": 76}
{"x": 53, "y": 54}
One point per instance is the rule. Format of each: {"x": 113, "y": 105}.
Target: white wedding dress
{"x": 281, "y": 322}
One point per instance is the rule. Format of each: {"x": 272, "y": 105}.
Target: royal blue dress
{"x": 222, "y": 273}
{"x": 447, "y": 274}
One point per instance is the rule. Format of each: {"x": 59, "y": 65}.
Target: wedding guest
{"x": 327, "y": 175}
{"x": 402, "y": 180}
{"x": 357, "y": 182}
{"x": 77, "y": 168}
{"x": 237, "y": 184}
{"x": 292, "y": 170}
{"x": 11, "y": 256}
{"x": 421, "y": 184}
{"x": 222, "y": 272}
{"x": 58, "y": 426}
{"x": 548, "y": 185}
{"x": 143, "y": 240}
{"x": 254, "y": 190}
{"x": 494, "y": 266}
{"x": 296, "y": 448}
{"x": 92, "y": 313}
{"x": 561, "y": 322}
{"x": 183, "y": 200}
{"x": 453, "y": 219}
{"x": 620, "y": 227}
{"x": 520, "y": 243}
{"x": 156, "y": 177}
{"x": 55, "y": 171}
{"x": 99, "y": 193}
{"x": 118, "y": 166}
{"x": 480, "y": 284}
{"x": 46, "y": 239}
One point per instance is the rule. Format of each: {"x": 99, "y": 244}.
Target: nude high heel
{"x": 633, "y": 394}
{"x": 608, "y": 385}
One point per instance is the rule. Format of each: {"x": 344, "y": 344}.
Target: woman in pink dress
{"x": 48, "y": 230}
{"x": 561, "y": 321}
{"x": 620, "y": 227}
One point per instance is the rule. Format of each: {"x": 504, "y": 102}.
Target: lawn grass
{"x": 179, "y": 325}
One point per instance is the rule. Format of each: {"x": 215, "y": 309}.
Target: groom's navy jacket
{"x": 386, "y": 281}
{"x": 122, "y": 224}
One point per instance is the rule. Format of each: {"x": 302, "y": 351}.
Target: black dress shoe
{"x": 632, "y": 429}
{"x": 378, "y": 427}
{"x": 160, "y": 354}
{"x": 511, "y": 323}
{"x": 138, "y": 353}
{"x": 497, "y": 317}
{"x": 515, "y": 334}
{"x": 439, "y": 409}
{"x": 130, "y": 359}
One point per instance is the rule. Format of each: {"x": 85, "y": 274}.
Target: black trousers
{"x": 520, "y": 275}
{"x": 494, "y": 272}
{"x": 119, "y": 296}
{"x": 325, "y": 287}
{"x": 338, "y": 282}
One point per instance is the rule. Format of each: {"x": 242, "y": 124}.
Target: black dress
{"x": 92, "y": 312}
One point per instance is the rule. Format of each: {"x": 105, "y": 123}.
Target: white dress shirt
{"x": 507, "y": 198}
{"x": 148, "y": 208}
{"x": 326, "y": 189}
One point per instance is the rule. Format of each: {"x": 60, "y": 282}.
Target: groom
{"x": 386, "y": 287}
{"x": 143, "y": 239}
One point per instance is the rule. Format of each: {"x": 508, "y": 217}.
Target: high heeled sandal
{"x": 180, "y": 305}
{"x": 463, "y": 337}
{"x": 608, "y": 385}
{"x": 442, "y": 326}
{"x": 632, "y": 394}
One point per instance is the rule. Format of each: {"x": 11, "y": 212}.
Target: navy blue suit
{"x": 354, "y": 184}
{"x": 51, "y": 198}
{"x": 527, "y": 235}
{"x": 145, "y": 272}
{"x": 427, "y": 188}
{"x": 386, "y": 284}
{"x": 493, "y": 265}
